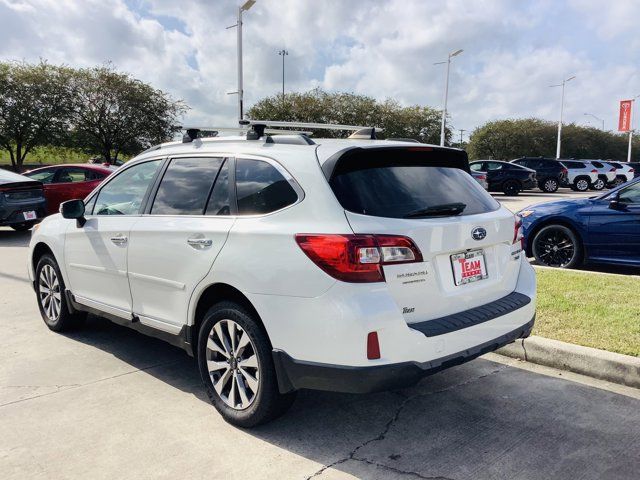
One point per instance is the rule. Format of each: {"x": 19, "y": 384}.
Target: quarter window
{"x": 124, "y": 194}
{"x": 630, "y": 195}
{"x": 185, "y": 186}
{"x": 261, "y": 188}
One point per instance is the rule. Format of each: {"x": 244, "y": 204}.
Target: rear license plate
{"x": 31, "y": 215}
{"x": 468, "y": 267}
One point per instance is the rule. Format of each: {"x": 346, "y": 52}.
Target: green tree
{"x": 317, "y": 106}
{"x": 35, "y": 107}
{"x": 117, "y": 114}
{"x": 508, "y": 139}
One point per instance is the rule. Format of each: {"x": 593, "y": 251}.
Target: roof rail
{"x": 360, "y": 132}
{"x": 192, "y": 132}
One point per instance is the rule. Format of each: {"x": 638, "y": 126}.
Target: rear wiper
{"x": 442, "y": 210}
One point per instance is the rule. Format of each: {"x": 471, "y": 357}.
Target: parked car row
{"x": 26, "y": 199}
{"x": 549, "y": 174}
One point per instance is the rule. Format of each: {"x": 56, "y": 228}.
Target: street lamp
{"x": 633, "y": 100}
{"x": 240, "y": 92}
{"x": 283, "y": 53}
{"x": 446, "y": 93}
{"x": 597, "y": 118}
{"x": 561, "y": 112}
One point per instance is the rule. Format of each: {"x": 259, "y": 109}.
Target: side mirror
{"x": 615, "y": 204}
{"x": 73, "y": 209}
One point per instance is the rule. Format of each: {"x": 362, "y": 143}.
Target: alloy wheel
{"x": 555, "y": 248}
{"x": 50, "y": 295}
{"x": 233, "y": 365}
{"x": 582, "y": 185}
{"x": 550, "y": 185}
{"x": 598, "y": 184}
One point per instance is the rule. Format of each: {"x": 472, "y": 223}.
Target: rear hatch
{"x": 465, "y": 239}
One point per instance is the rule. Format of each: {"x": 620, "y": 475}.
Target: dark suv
{"x": 550, "y": 173}
{"x": 505, "y": 177}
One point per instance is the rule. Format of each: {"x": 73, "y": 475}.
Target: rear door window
{"x": 395, "y": 188}
{"x": 185, "y": 186}
{"x": 597, "y": 164}
{"x": 261, "y": 188}
{"x": 573, "y": 164}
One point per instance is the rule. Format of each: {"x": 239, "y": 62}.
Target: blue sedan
{"x": 602, "y": 229}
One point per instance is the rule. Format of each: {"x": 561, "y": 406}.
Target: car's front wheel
{"x": 52, "y": 301}
{"x": 557, "y": 246}
{"x": 549, "y": 185}
{"x": 236, "y": 366}
{"x": 511, "y": 187}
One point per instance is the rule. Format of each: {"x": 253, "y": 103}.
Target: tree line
{"x": 97, "y": 110}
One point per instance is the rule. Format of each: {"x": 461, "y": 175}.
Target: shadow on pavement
{"x": 11, "y": 238}
{"x": 478, "y": 420}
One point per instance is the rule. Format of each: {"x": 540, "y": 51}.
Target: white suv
{"x": 580, "y": 175}
{"x": 284, "y": 263}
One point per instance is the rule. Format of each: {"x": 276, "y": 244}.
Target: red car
{"x": 67, "y": 182}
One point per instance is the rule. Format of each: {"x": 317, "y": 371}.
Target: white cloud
{"x": 513, "y": 50}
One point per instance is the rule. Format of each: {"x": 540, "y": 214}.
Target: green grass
{"x": 599, "y": 311}
{"x": 49, "y": 156}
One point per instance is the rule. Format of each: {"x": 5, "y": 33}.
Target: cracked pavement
{"x": 107, "y": 402}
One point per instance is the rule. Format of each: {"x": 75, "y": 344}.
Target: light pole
{"x": 446, "y": 93}
{"x": 597, "y": 118}
{"x": 561, "y": 112}
{"x": 633, "y": 101}
{"x": 240, "y": 92}
{"x": 462, "y": 130}
{"x": 284, "y": 53}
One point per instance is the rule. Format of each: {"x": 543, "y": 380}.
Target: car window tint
{"x": 573, "y": 164}
{"x": 630, "y": 195}
{"x": 597, "y": 164}
{"x": 476, "y": 167}
{"x": 261, "y": 188}
{"x": 73, "y": 175}
{"x": 185, "y": 186}
{"x": 123, "y": 194}
{"x": 44, "y": 176}
{"x": 219, "y": 203}
{"x": 88, "y": 206}
{"x": 616, "y": 164}
{"x": 494, "y": 166}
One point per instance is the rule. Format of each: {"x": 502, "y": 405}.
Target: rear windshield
{"x": 397, "y": 187}
{"x": 573, "y": 164}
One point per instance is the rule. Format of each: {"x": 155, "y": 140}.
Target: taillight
{"x": 518, "y": 234}
{"x": 594, "y": 171}
{"x": 373, "y": 346}
{"x": 631, "y": 170}
{"x": 612, "y": 170}
{"x": 358, "y": 258}
{"x": 565, "y": 171}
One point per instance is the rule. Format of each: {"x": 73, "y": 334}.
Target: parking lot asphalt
{"x": 531, "y": 197}
{"x": 107, "y": 402}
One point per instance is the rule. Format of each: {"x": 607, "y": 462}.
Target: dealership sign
{"x": 624, "y": 123}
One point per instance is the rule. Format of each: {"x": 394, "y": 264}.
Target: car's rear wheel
{"x": 22, "y": 227}
{"x": 511, "y": 187}
{"x": 236, "y": 366}
{"x": 557, "y": 246}
{"x": 619, "y": 181}
{"x": 598, "y": 184}
{"x": 549, "y": 185}
{"x": 581, "y": 184}
{"x": 52, "y": 301}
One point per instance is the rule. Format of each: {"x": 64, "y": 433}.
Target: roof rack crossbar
{"x": 315, "y": 126}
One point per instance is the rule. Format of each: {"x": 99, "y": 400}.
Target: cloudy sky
{"x": 513, "y": 50}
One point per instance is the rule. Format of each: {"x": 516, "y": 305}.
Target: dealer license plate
{"x": 468, "y": 267}
{"x": 30, "y": 215}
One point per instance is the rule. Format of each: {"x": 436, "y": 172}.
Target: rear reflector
{"x": 518, "y": 235}
{"x": 357, "y": 258}
{"x": 373, "y": 347}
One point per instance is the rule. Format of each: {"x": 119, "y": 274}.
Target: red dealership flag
{"x": 624, "y": 123}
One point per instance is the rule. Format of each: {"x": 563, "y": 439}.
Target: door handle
{"x": 200, "y": 243}
{"x": 119, "y": 240}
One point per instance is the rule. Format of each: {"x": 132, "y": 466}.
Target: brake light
{"x": 373, "y": 346}
{"x": 518, "y": 234}
{"x": 565, "y": 171}
{"x": 594, "y": 171}
{"x": 357, "y": 258}
{"x": 631, "y": 170}
{"x": 612, "y": 170}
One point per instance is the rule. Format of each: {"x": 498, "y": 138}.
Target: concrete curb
{"x": 612, "y": 367}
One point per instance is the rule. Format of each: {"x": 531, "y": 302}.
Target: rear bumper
{"x": 11, "y": 214}
{"x": 295, "y": 374}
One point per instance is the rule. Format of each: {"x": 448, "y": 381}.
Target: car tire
{"x": 22, "y": 227}
{"x": 52, "y": 301}
{"x": 557, "y": 246}
{"x": 618, "y": 181}
{"x": 599, "y": 184}
{"x": 581, "y": 184}
{"x": 511, "y": 188}
{"x": 245, "y": 396}
{"x": 549, "y": 185}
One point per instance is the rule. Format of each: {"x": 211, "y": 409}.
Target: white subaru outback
{"x": 283, "y": 263}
